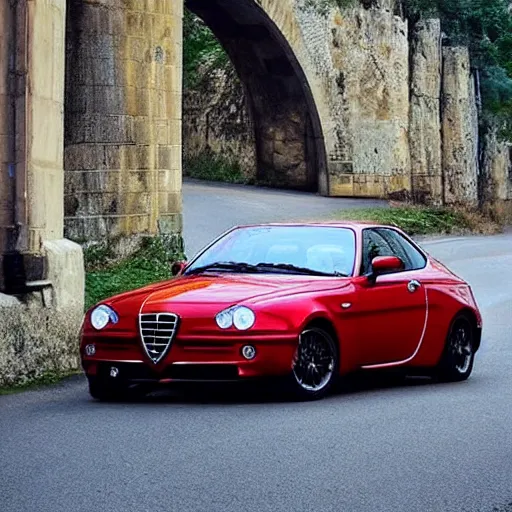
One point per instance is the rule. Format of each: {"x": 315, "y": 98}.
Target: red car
{"x": 308, "y": 302}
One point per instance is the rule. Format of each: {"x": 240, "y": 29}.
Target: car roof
{"x": 351, "y": 224}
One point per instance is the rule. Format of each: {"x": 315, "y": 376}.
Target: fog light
{"x": 249, "y": 352}
{"x": 114, "y": 372}
{"x": 90, "y": 350}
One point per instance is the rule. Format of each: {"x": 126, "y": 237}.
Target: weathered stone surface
{"x": 497, "y": 177}
{"x": 45, "y": 130}
{"x": 7, "y": 141}
{"x": 8, "y": 301}
{"x": 217, "y": 121}
{"x": 459, "y": 128}
{"x": 355, "y": 64}
{"x": 123, "y": 122}
{"x": 65, "y": 264}
{"x": 425, "y": 124}
{"x": 35, "y": 341}
{"x": 360, "y": 61}
{"x": 266, "y": 48}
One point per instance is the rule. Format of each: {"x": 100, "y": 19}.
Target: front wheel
{"x": 459, "y": 354}
{"x": 315, "y": 364}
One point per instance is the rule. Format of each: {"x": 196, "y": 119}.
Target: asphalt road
{"x": 371, "y": 447}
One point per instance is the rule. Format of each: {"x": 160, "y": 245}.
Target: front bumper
{"x": 205, "y": 360}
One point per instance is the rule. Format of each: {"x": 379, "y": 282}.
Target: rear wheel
{"x": 459, "y": 354}
{"x": 315, "y": 364}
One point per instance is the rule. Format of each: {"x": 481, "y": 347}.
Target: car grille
{"x": 157, "y": 332}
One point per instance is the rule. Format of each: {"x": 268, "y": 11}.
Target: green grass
{"x": 47, "y": 379}
{"x": 416, "y": 220}
{"x": 211, "y": 167}
{"x": 106, "y": 277}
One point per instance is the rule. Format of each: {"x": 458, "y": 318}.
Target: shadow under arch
{"x": 290, "y": 145}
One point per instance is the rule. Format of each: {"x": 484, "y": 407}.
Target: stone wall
{"x": 370, "y": 55}
{"x": 217, "y": 121}
{"x": 397, "y": 107}
{"x": 7, "y": 140}
{"x": 425, "y": 113}
{"x": 38, "y": 329}
{"x": 36, "y": 342}
{"x": 459, "y": 129}
{"x": 123, "y": 119}
{"x": 497, "y": 177}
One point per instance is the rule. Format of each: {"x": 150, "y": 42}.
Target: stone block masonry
{"x": 425, "y": 115}
{"x": 123, "y": 119}
{"x": 459, "y": 129}
{"x": 397, "y": 107}
{"x": 38, "y": 330}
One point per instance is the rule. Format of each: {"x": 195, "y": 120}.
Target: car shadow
{"x": 268, "y": 392}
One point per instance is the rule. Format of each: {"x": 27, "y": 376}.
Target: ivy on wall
{"x": 202, "y": 52}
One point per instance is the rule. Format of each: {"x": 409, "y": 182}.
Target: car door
{"x": 392, "y": 312}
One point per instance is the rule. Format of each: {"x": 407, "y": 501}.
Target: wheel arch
{"x": 327, "y": 325}
{"x": 473, "y": 319}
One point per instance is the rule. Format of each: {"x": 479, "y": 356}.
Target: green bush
{"x": 213, "y": 167}
{"x": 151, "y": 263}
{"x": 416, "y": 220}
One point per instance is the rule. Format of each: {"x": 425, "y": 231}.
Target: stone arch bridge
{"x": 90, "y": 115}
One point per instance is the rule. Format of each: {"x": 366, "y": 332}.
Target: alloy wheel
{"x": 461, "y": 346}
{"x": 314, "y": 362}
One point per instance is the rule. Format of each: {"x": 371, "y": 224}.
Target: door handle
{"x": 413, "y": 285}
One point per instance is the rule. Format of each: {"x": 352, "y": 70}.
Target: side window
{"x": 402, "y": 248}
{"x": 373, "y": 245}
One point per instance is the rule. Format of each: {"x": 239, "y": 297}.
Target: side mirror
{"x": 384, "y": 265}
{"x": 178, "y": 267}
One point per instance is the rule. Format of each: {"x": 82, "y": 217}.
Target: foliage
{"x": 46, "y": 379}
{"x": 214, "y": 167}
{"x": 201, "y": 50}
{"x": 108, "y": 277}
{"x": 416, "y": 220}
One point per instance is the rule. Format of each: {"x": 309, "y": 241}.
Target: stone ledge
{"x": 66, "y": 272}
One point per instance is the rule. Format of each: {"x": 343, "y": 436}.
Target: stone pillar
{"x": 425, "y": 123}
{"x": 370, "y": 58}
{"x": 42, "y": 272}
{"x": 7, "y": 140}
{"x": 497, "y": 177}
{"x": 459, "y": 129}
{"x": 33, "y": 184}
{"x": 44, "y": 122}
{"x": 123, "y": 119}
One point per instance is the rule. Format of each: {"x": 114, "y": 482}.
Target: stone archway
{"x": 289, "y": 139}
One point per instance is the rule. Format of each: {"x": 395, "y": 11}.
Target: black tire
{"x": 458, "y": 356}
{"x": 101, "y": 389}
{"x": 318, "y": 354}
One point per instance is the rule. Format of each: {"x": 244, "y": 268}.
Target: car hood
{"x": 225, "y": 289}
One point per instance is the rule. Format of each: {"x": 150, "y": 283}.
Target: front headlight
{"x": 101, "y": 316}
{"x": 241, "y": 317}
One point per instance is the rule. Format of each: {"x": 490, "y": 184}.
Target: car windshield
{"x": 313, "y": 250}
